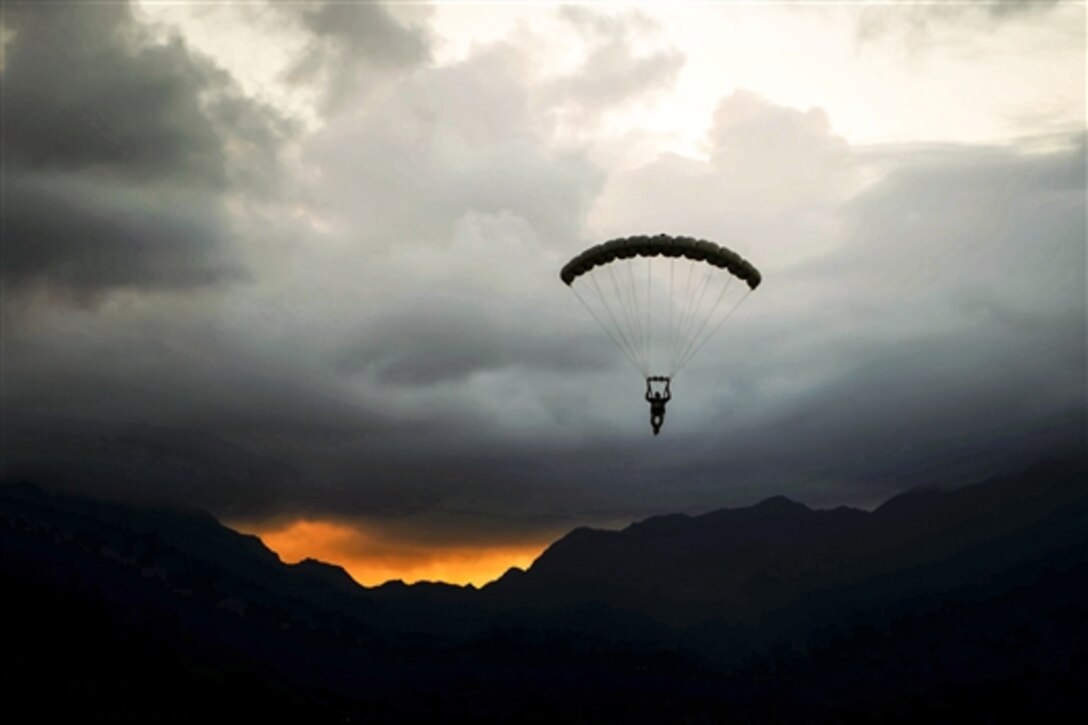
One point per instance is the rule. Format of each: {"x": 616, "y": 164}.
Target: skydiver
{"x": 657, "y": 403}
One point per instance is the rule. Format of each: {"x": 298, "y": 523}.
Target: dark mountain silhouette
{"x": 938, "y": 604}
{"x": 778, "y": 567}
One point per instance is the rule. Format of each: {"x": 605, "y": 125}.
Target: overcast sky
{"x": 298, "y": 264}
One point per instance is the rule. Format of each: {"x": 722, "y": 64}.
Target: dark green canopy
{"x": 661, "y": 245}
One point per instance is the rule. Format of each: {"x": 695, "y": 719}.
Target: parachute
{"x": 660, "y": 298}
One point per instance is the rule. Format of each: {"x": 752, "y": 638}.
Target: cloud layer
{"x": 361, "y": 320}
{"x": 119, "y": 156}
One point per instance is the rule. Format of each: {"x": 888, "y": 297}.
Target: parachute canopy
{"x": 660, "y": 298}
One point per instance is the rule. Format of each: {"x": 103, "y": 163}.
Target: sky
{"x": 297, "y": 264}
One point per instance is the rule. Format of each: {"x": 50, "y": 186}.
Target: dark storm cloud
{"x": 79, "y": 238}
{"x": 161, "y": 465}
{"x": 974, "y": 224}
{"x": 108, "y": 400}
{"x": 447, "y": 345}
{"x": 930, "y": 326}
{"x": 410, "y": 356}
{"x": 942, "y": 338}
{"x": 115, "y": 155}
{"x": 81, "y": 92}
{"x": 950, "y": 335}
{"x": 162, "y": 407}
{"x": 942, "y": 408}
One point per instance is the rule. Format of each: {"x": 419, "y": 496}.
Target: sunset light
{"x": 373, "y": 559}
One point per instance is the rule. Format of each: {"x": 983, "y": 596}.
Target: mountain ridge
{"x": 676, "y": 606}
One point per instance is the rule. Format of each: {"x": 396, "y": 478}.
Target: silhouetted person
{"x": 657, "y": 403}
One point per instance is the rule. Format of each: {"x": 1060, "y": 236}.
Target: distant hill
{"x": 938, "y": 603}
{"x": 783, "y": 566}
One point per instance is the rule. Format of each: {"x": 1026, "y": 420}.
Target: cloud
{"x": 611, "y": 74}
{"x": 351, "y": 46}
{"x": 916, "y": 25}
{"x": 463, "y": 138}
{"x": 770, "y": 187}
{"x": 79, "y": 238}
{"x": 403, "y": 350}
{"x": 83, "y": 89}
{"x": 271, "y": 370}
{"x": 483, "y": 303}
{"x": 949, "y": 332}
{"x": 1013, "y": 7}
{"x": 367, "y": 31}
{"x": 426, "y": 349}
{"x": 118, "y": 152}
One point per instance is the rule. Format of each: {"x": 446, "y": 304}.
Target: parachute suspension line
{"x": 693, "y": 336}
{"x": 696, "y": 308}
{"x": 672, "y": 269}
{"x": 637, "y": 305}
{"x": 617, "y": 320}
{"x": 640, "y": 329}
{"x": 689, "y": 304}
{"x": 674, "y": 330}
{"x": 649, "y": 310}
{"x": 693, "y": 318}
{"x": 602, "y": 303}
{"x": 706, "y": 320}
{"x": 641, "y": 309}
{"x": 721, "y": 322}
{"x": 605, "y": 327}
{"x": 628, "y": 348}
{"x": 623, "y": 307}
{"x": 630, "y": 328}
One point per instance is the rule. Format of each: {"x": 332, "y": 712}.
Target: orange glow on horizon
{"x": 372, "y": 559}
